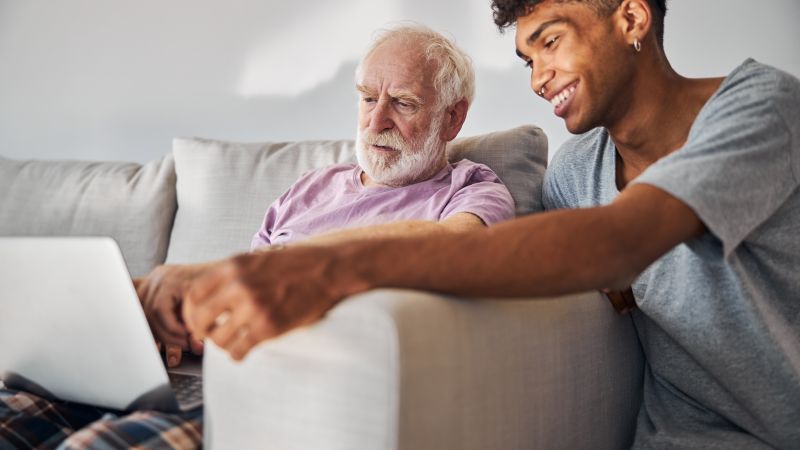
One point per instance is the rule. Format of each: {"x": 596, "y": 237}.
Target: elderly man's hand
{"x": 253, "y": 297}
{"x": 161, "y": 294}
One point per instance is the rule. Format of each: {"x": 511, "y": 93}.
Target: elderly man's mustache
{"x": 387, "y": 138}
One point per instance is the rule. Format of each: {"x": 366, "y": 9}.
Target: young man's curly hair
{"x": 506, "y": 12}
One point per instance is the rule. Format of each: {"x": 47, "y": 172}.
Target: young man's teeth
{"x": 562, "y": 96}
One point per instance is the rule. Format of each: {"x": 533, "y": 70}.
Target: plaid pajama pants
{"x": 31, "y": 422}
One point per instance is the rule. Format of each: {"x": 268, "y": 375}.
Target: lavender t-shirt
{"x": 334, "y": 198}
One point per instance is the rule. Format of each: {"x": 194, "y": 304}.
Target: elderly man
{"x": 681, "y": 198}
{"x": 415, "y": 88}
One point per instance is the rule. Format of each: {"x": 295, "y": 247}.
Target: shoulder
{"x": 320, "y": 180}
{"x": 476, "y": 189}
{"x": 327, "y": 173}
{"x": 580, "y": 152}
{"x": 753, "y": 76}
{"x": 756, "y": 88}
{"x": 468, "y": 172}
{"x": 575, "y": 176}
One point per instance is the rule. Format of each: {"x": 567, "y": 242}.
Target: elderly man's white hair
{"x": 454, "y": 79}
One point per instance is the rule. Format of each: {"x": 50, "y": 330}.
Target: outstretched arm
{"x": 264, "y": 295}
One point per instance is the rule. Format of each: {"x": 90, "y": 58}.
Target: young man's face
{"x": 580, "y": 60}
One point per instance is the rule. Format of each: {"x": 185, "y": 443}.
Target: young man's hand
{"x": 245, "y": 300}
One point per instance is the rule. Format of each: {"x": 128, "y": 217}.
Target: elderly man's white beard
{"x": 414, "y": 161}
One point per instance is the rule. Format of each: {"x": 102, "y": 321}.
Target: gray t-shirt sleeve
{"x": 737, "y": 166}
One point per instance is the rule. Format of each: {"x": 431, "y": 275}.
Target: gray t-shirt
{"x": 718, "y": 316}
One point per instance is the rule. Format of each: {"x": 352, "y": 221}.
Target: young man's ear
{"x": 454, "y": 120}
{"x": 635, "y": 19}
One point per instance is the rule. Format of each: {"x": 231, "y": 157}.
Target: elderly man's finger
{"x": 196, "y": 346}
{"x": 174, "y": 354}
{"x": 168, "y": 329}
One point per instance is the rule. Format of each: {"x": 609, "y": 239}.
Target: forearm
{"x": 546, "y": 254}
{"x": 540, "y": 255}
{"x": 407, "y": 229}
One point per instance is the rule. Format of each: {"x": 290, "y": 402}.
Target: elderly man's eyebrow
{"x": 364, "y": 90}
{"x": 406, "y": 96}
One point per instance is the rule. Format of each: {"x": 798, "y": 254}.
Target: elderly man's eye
{"x": 405, "y": 106}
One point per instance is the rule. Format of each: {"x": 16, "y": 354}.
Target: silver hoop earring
{"x": 637, "y": 45}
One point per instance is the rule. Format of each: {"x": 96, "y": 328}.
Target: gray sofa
{"x": 387, "y": 369}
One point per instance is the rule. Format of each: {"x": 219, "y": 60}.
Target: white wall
{"x": 112, "y": 79}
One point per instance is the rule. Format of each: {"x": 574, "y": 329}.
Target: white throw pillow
{"x": 224, "y": 188}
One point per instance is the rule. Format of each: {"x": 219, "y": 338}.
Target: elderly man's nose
{"x": 380, "y": 118}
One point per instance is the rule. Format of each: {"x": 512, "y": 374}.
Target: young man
{"x": 415, "y": 89}
{"x": 685, "y": 189}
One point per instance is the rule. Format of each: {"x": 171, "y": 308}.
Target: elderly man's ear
{"x": 456, "y": 115}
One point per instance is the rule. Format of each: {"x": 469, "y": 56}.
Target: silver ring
{"x": 222, "y": 318}
{"x": 541, "y": 92}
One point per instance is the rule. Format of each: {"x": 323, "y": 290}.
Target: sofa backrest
{"x": 224, "y": 188}
{"x": 216, "y": 192}
{"x": 133, "y": 203}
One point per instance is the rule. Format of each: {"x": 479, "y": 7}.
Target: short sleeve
{"x": 482, "y": 194}
{"x": 735, "y": 169}
{"x": 263, "y": 238}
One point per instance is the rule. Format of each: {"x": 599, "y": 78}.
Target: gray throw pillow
{"x": 224, "y": 188}
{"x": 518, "y": 156}
{"x": 134, "y": 204}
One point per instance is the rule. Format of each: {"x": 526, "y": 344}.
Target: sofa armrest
{"x": 397, "y": 369}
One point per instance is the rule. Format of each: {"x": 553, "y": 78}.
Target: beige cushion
{"x": 224, "y": 188}
{"x": 135, "y": 204}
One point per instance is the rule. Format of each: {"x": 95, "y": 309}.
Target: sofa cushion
{"x": 518, "y": 156}
{"x": 224, "y": 188}
{"x": 135, "y": 204}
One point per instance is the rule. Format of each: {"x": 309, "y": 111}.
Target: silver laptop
{"x": 72, "y": 328}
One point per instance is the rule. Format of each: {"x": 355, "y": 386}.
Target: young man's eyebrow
{"x": 538, "y": 32}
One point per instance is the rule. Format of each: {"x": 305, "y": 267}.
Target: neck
{"x": 659, "y": 112}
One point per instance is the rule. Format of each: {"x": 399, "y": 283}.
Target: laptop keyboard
{"x": 188, "y": 389}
